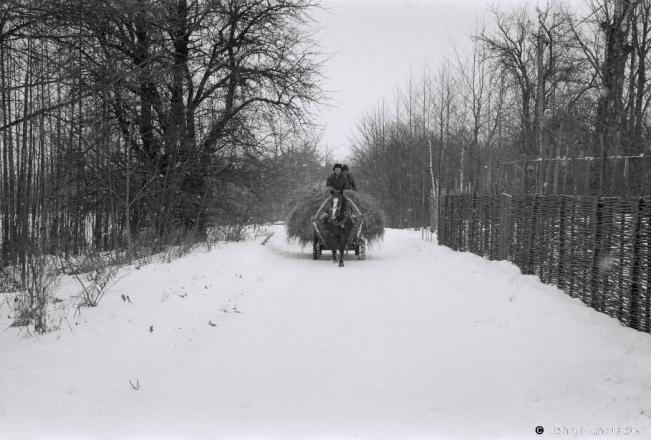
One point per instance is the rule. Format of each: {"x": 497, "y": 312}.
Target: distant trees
{"x": 547, "y": 100}
{"x": 297, "y": 165}
{"x": 129, "y": 115}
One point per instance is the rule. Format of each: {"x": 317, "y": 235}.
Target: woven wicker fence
{"x": 597, "y": 249}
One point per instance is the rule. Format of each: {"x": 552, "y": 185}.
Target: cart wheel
{"x": 316, "y": 249}
{"x": 361, "y": 250}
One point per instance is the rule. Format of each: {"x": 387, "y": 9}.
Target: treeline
{"x": 546, "y": 100}
{"x": 126, "y": 118}
{"x": 128, "y": 126}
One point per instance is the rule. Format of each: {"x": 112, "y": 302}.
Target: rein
{"x": 341, "y": 222}
{"x": 344, "y": 216}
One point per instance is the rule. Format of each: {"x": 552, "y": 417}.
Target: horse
{"x": 338, "y": 223}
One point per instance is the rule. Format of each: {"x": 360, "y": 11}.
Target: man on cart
{"x": 351, "y": 180}
{"x": 338, "y": 180}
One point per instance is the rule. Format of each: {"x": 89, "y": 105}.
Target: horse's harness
{"x": 334, "y": 220}
{"x": 341, "y": 222}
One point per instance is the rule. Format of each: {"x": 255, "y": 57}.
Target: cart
{"x": 356, "y": 242}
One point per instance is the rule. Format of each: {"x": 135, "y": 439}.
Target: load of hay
{"x": 307, "y": 203}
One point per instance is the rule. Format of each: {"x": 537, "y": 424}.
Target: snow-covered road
{"x": 251, "y": 341}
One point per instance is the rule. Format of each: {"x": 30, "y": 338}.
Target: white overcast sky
{"x": 374, "y": 45}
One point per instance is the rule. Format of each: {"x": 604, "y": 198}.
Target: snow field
{"x": 251, "y": 341}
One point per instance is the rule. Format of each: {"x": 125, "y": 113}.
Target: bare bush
{"x": 231, "y": 232}
{"x": 234, "y": 232}
{"x": 30, "y": 306}
{"x": 96, "y": 273}
{"x": 181, "y": 242}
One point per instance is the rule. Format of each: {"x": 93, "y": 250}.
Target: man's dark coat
{"x": 351, "y": 181}
{"x": 338, "y": 182}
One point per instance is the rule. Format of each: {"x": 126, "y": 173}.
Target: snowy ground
{"x": 260, "y": 342}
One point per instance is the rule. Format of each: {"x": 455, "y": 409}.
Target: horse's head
{"x": 337, "y": 202}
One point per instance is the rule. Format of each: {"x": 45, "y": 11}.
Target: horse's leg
{"x": 343, "y": 241}
{"x": 334, "y": 249}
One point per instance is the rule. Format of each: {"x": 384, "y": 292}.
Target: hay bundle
{"x": 307, "y": 202}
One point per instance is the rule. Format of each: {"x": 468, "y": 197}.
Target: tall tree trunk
{"x": 610, "y": 106}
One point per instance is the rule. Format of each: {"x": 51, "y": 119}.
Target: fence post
{"x": 595, "y": 284}
{"x": 434, "y": 212}
{"x": 443, "y": 230}
{"x": 472, "y": 225}
{"x": 560, "y": 276}
{"x": 531, "y": 260}
{"x": 505, "y": 214}
{"x": 636, "y": 289}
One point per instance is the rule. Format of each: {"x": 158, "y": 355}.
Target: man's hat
{"x": 337, "y": 165}
{"x": 344, "y": 168}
